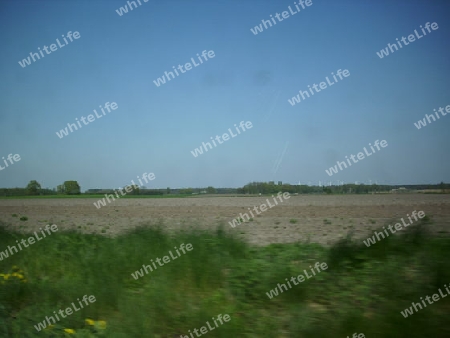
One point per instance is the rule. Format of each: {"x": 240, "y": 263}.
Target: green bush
{"x": 363, "y": 289}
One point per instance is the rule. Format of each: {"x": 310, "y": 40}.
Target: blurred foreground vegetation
{"x": 363, "y": 290}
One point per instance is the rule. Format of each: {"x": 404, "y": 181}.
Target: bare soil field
{"x": 315, "y": 218}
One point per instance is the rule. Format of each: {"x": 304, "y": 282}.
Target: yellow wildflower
{"x": 18, "y": 275}
{"x": 102, "y": 324}
{"x": 89, "y": 321}
{"x": 69, "y": 331}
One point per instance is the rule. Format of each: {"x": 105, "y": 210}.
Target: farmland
{"x": 228, "y": 271}
{"x": 320, "y": 219}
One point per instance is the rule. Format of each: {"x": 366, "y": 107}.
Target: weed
{"x": 224, "y": 274}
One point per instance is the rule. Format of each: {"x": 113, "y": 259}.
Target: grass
{"x": 363, "y": 289}
{"x": 293, "y": 221}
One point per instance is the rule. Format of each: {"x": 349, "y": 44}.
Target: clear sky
{"x": 117, "y": 58}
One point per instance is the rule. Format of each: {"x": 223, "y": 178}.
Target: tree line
{"x": 272, "y": 188}
{"x": 34, "y": 188}
{"x": 254, "y": 188}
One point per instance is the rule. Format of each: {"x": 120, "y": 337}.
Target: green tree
{"x": 136, "y": 190}
{"x": 211, "y": 190}
{"x": 60, "y": 189}
{"x": 72, "y": 188}
{"x": 33, "y": 188}
{"x": 327, "y": 190}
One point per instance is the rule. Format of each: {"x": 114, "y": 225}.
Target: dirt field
{"x": 322, "y": 219}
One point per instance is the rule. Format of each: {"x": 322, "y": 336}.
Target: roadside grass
{"x": 363, "y": 289}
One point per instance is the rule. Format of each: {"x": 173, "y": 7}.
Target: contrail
{"x": 278, "y": 161}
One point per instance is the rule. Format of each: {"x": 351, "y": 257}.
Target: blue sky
{"x": 251, "y": 77}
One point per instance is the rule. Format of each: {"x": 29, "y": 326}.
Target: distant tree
{"x": 168, "y": 190}
{"x": 152, "y": 192}
{"x": 60, "y": 189}
{"x": 45, "y": 191}
{"x": 327, "y": 190}
{"x": 287, "y": 188}
{"x": 136, "y": 190}
{"x": 72, "y": 188}
{"x": 33, "y": 188}
{"x": 211, "y": 190}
